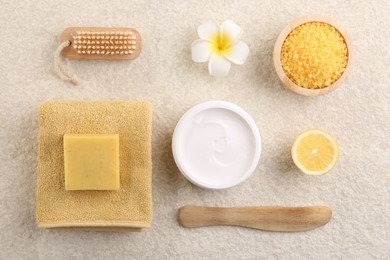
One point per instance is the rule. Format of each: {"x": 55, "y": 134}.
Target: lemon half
{"x": 315, "y": 152}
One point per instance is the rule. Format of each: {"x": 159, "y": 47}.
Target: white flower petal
{"x": 201, "y": 50}
{"x": 207, "y": 31}
{"x": 219, "y": 66}
{"x": 237, "y": 53}
{"x": 232, "y": 29}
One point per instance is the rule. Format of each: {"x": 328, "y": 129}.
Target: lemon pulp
{"x": 315, "y": 152}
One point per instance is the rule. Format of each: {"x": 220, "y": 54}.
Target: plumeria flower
{"x": 219, "y": 45}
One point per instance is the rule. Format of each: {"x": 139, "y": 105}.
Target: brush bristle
{"x": 104, "y": 43}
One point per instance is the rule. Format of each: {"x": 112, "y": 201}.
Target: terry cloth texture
{"x": 357, "y": 114}
{"x": 131, "y": 206}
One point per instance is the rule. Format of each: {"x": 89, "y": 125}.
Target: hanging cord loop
{"x": 59, "y": 68}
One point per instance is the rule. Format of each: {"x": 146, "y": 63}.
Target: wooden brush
{"x": 96, "y": 43}
{"x": 93, "y": 43}
{"x": 269, "y": 218}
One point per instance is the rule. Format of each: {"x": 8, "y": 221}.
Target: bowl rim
{"x": 278, "y": 48}
{"x": 210, "y": 105}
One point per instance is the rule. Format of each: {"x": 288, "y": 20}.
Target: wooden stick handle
{"x": 265, "y": 218}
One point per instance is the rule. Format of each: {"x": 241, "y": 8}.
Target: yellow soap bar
{"x": 91, "y": 161}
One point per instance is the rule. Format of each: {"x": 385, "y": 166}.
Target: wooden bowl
{"x": 278, "y": 48}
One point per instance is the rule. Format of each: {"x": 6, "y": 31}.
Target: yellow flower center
{"x": 221, "y": 43}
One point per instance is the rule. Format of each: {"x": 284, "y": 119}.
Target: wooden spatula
{"x": 265, "y": 218}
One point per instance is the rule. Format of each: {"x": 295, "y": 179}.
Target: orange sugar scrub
{"x": 314, "y": 55}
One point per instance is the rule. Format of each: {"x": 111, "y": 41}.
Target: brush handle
{"x": 267, "y": 218}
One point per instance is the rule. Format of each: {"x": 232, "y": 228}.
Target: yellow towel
{"x": 129, "y": 208}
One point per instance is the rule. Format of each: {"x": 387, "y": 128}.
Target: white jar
{"x": 216, "y": 145}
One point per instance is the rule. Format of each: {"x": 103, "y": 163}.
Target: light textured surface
{"x": 357, "y": 114}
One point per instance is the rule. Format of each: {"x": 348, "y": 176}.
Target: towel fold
{"x": 129, "y": 208}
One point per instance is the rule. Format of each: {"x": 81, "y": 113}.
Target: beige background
{"x": 357, "y": 114}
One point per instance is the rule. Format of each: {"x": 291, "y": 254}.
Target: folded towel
{"x": 129, "y": 208}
